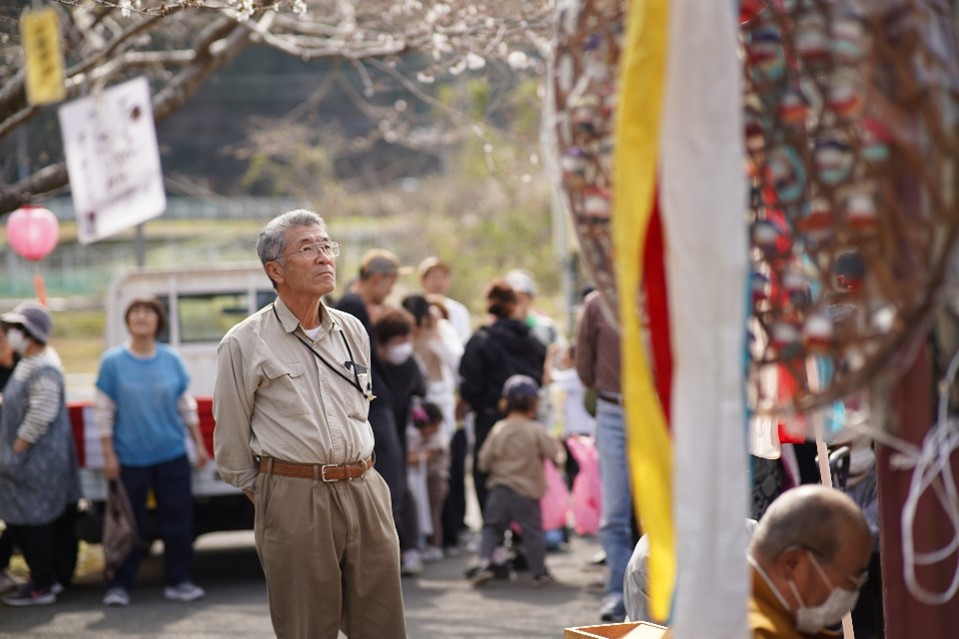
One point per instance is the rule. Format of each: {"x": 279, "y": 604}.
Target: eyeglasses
{"x": 311, "y": 251}
{"x": 859, "y": 580}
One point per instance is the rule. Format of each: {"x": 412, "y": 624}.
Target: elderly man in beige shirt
{"x": 291, "y": 401}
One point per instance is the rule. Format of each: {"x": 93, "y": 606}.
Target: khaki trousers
{"x": 331, "y": 557}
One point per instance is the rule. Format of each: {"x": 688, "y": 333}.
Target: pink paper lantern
{"x": 33, "y": 231}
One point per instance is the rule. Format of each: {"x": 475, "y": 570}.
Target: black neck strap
{"x": 351, "y": 364}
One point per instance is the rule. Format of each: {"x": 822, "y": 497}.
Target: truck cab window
{"x": 206, "y": 318}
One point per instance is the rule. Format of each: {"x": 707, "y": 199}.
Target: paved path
{"x": 440, "y": 603}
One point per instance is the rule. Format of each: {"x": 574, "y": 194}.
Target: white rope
{"x": 932, "y": 467}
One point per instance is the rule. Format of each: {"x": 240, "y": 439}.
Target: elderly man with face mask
{"x": 810, "y": 556}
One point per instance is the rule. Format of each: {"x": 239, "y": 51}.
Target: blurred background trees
{"x": 412, "y": 125}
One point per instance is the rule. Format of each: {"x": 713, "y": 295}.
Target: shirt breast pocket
{"x": 286, "y": 391}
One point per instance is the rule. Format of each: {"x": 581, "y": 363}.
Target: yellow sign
{"x": 40, "y": 31}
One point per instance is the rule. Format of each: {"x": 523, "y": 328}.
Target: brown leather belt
{"x": 322, "y": 472}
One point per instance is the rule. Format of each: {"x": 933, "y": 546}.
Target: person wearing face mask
{"x": 393, "y": 333}
{"x": 39, "y": 481}
{"x": 810, "y": 556}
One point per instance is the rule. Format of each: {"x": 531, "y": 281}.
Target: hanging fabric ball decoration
{"x": 33, "y": 231}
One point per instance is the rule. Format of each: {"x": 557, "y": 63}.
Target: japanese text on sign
{"x": 40, "y": 31}
{"x": 113, "y": 160}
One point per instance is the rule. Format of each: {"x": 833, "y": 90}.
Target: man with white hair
{"x": 291, "y": 404}
{"x": 810, "y": 556}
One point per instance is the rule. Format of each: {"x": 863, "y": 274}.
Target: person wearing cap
{"x": 291, "y": 402}
{"x": 543, "y": 328}
{"x": 39, "y": 477}
{"x": 143, "y": 412}
{"x": 436, "y": 277}
{"x": 379, "y": 270}
{"x": 541, "y": 325}
{"x": 513, "y": 455}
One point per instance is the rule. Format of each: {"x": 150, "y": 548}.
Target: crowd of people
{"x": 142, "y": 412}
{"x": 351, "y": 422}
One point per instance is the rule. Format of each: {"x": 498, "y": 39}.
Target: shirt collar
{"x": 290, "y": 322}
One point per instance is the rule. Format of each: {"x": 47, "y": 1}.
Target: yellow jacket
{"x": 768, "y": 619}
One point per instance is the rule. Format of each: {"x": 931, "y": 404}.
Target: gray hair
{"x": 271, "y": 242}
{"x": 809, "y": 516}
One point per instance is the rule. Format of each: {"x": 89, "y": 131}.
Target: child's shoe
{"x": 25, "y": 595}
{"x": 543, "y": 580}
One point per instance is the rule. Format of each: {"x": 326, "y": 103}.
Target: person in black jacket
{"x": 492, "y": 355}
{"x": 379, "y": 270}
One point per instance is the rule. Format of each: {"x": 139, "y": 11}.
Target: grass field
{"x": 78, "y": 338}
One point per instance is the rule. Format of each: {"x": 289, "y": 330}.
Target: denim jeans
{"x": 615, "y": 531}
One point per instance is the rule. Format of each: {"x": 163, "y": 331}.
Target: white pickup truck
{"x": 202, "y": 303}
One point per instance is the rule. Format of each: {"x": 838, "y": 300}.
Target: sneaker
{"x": 599, "y": 559}
{"x": 187, "y": 591}
{"x": 519, "y": 562}
{"x": 116, "y": 596}
{"x": 411, "y": 563}
{"x": 500, "y": 571}
{"x": 9, "y": 582}
{"x": 482, "y": 575}
{"x": 543, "y": 580}
{"x": 613, "y": 609}
{"x": 554, "y": 539}
{"x": 432, "y": 553}
{"x": 25, "y": 595}
{"x": 56, "y": 588}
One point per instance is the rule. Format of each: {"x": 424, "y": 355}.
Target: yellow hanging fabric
{"x": 641, "y": 80}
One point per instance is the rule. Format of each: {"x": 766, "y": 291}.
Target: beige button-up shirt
{"x": 275, "y": 398}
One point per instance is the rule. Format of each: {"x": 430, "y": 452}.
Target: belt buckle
{"x": 323, "y": 472}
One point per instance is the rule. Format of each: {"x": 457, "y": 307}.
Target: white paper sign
{"x": 112, "y": 159}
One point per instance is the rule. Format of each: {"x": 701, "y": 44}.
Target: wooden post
{"x": 913, "y": 414}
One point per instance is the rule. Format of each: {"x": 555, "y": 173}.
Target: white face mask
{"x": 17, "y": 340}
{"x": 399, "y": 353}
{"x": 830, "y": 612}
